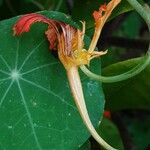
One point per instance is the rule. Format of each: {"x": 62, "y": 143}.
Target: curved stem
{"x": 77, "y": 92}
{"x": 141, "y": 10}
{"x": 137, "y": 69}
{"x": 110, "y": 79}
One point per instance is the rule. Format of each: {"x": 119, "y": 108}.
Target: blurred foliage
{"x": 86, "y": 146}
{"x": 127, "y": 27}
{"x": 140, "y": 131}
{"x": 84, "y": 10}
{"x": 110, "y": 133}
{"x": 55, "y": 5}
{"x": 1, "y": 2}
{"x": 14, "y": 7}
{"x": 127, "y": 31}
{"x": 137, "y": 124}
{"x": 132, "y": 93}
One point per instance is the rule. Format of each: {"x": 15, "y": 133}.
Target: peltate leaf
{"x": 37, "y": 111}
{"x": 129, "y": 94}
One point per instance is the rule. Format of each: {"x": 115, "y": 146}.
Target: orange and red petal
{"x": 24, "y": 23}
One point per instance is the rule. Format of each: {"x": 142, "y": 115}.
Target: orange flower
{"x": 69, "y": 43}
{"x": 62, "y": 37}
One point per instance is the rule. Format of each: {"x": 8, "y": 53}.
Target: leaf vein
{"x": 5, "y": 94}
{"x": 5, "y": 62}
{"x": 4, "y": 72}
{"x": 40, "y": 67}
{"x": 19, "y": 120}
{"x": 29, "y": 115}
{"x": 26, "y": 138}
{"x": 30, "y": 54}
{"x": 16, "y": 61}
{"x": 50, "y": 92}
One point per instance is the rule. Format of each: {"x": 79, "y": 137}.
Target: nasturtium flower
{"x": 69, "y": 43}
{"x": 64, "y": 38}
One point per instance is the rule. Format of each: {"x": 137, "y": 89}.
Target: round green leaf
{"x": 37, "y": 111}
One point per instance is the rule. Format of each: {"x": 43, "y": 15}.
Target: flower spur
{"x": 69, "y": 44}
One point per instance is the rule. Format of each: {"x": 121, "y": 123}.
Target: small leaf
{"x": 37, "y": 111}
{"x": 129, "y": 94}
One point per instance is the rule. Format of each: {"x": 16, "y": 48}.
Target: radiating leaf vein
{"x": 17, "y": 49}
{"x": 29, "y": 115}
{"x": 30, "y": 54}
{"x": 4, "y": 72}
{"x": 5, "y": 94}
{"x": 40, "y": 67}
{"x": 50, "y": 92}
{"x": 5, "y": 62}
{"x": 1, "y": 80}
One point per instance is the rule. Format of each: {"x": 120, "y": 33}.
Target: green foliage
{"x": 128, "y": 28}
{"x": 85, "y": 146}
{"x": 129, "y": 94}
{"x": 83, "y": 11}
{"x": 37, "y": 111}
{"x": 110, "y": 133}
{"x": 1, "y": 2}
{"x": 48, "y": 4}
{"x": 140, "y": 131}
{"x": 36, "y": 107}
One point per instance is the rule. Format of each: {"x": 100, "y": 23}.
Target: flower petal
{"x": 24, "y": 23}
{"x": 101, "y": 17}
{"x": 105, "y": 11}
{"x": 98, "y": 14}
{"x": 52, "y": 38}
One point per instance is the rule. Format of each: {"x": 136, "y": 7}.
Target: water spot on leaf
{"x": 34, "y": 103}
{"x": 49, "y": 124}
{"x": 10, "y": 127}
{"x": 35, "y": 125}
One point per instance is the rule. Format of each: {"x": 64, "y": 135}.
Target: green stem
{"x": 141, "y": 10}
{"x": 136, "y": 70}
{"x": 110, "y": 79}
